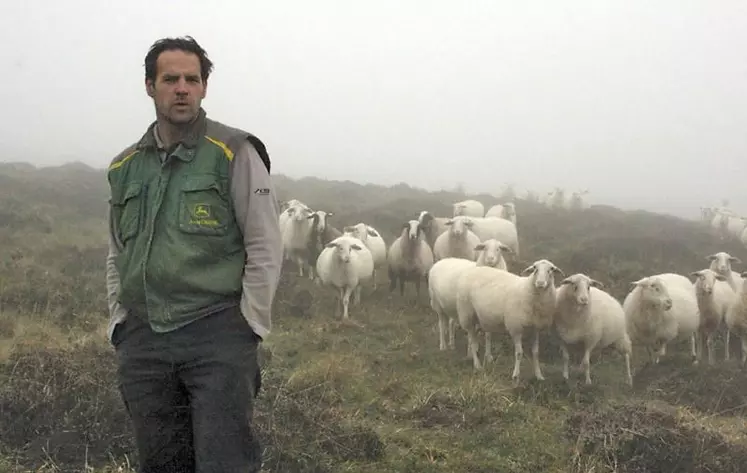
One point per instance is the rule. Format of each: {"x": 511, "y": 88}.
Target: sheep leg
{"x": 628, "y": 374}
{"x": 473, "y": 345}
{"x": 299, "y": 262}
{"x": 311, "y": 272}
{"x": 586, "y": 364}
{"x": 518, "y": 355}
{"x": 744, "y": 351}
{"x": 417, "y": 288}
{"x": 402, "y": 286}
{"x": 357, "y": 298}
{"x": 693, "y": 352}
{"x": 488, "y": 349}
{"x": 442, "y": 330}
{"x": 726, "y": 345}
{"x": 346, "y": 301}
{"x": 709, "y": 345}
{"x": 566, "y": 361}
{"x": 535, "y": 356}
{"x": 452, "y": 334}
{"x": 373, "y": 276}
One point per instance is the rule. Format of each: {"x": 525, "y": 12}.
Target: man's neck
{"x": 169, "y": 133}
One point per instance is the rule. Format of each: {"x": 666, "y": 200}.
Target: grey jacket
{"x": 257, "y": 213}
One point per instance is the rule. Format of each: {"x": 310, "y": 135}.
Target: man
{"x": 194, "y": 261}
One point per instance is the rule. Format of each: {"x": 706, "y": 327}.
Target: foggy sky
{"x": 643, "y": 103}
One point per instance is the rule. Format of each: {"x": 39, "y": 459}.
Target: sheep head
{"x": 543, "y": 272}
{"x": 654, "y": 292}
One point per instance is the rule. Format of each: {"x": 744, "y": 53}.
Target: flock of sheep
{"x": 725, "y": 223}
{"x": 462, "y": 259}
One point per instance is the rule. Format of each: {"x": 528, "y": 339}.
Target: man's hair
{"x": 185, "y": 43}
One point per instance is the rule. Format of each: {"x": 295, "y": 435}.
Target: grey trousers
{"x": 190, "y": 393}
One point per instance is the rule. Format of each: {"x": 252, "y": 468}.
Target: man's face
{"x": 178, "y": 89}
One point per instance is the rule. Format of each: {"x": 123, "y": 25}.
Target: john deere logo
{"x": 201, "y": 211}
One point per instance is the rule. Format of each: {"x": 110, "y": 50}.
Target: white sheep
{"x": 736, "y": 319}
{"x": 714, "y": 296}
{"x": 468, "y": 208}
{"x": 506, "y": 211}
{"x": 458, "y": 241}
{"x": 492, "y": 299}
{"x": 442, "y": 282}
{"x": 295, "y": 234}
{"x": 586, "y": 313}
{"x": 721, "y": 263}
{"x": 373, "y": 241}
{"x": 495, "y": 227}
{"x": 660, "y": 309}
{"x": 409, "y": 257}
{"x": 735, "y": 226}
{"x": 345, "y": 263}
{"x": 433, "y": 226}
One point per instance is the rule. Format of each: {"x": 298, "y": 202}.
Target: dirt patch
{"x": 644, "y": 437}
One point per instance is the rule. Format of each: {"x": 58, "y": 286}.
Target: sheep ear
{"x": 711, "y": 257}
{"x": 744, "y": 274}
{"x": 720, "y": 277}
{"x": 355, "y": 246}
{"x": 348, "y": 229}
{"x": 505, "y": 248}
{"x": 312, "y": 216}
{"x": 469, "y": 223}
{"x": 331, "y": 244}
{"x": 597, "y": 284}
{"x": 734, "y": 259}
{"x": 449, "y": 222}
{"x": 480, "y": 247}
{"x": 372, "y": 233}
{"x": 565, "y": 281}
{"x": 640, "y": 282}
{"x": 329, "y": 214}
{"x": 694, "y": 274}
{"x": 558, "y": 270}
{"x": 527, "y": 270}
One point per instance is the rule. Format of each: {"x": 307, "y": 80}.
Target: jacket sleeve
{"x": 116, "y": 311}
{"x": 257, "y": 211}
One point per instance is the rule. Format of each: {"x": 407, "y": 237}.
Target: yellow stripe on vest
{"x": 222, "y": 145}
{"x": 123, "y": 160}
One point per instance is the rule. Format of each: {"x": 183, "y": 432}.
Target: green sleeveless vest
{"x": 182, "y": 253}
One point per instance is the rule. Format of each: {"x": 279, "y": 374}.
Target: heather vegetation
{"x": 377, "y": 396}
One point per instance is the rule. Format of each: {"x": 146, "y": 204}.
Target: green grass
{"x": 374, "y": 394}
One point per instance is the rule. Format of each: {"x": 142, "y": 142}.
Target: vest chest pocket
{"x": 204, "y": 207}
{"x": 127, "y": 206}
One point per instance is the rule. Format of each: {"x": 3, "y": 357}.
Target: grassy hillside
{"x": 375, "y": 395}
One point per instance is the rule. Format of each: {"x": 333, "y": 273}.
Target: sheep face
{"x": 343, "y": 249}
{"x": 654, "y": 293}
{"x": 509, "y": 209}
{"x": 705, "y": 279}
{"x": 543, "y": 272}
{"x": 300, "y": 212}
{"x": 580, "y": 286}
{"x": 492, "y": 251}
{"x": 411, "y": 230}
{"x": 459, "y": 225}
{"x": 320, "y": 220}
{"x": 721, "y": 262}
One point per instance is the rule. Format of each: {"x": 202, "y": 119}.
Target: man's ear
{"x": 149, "y": 89}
